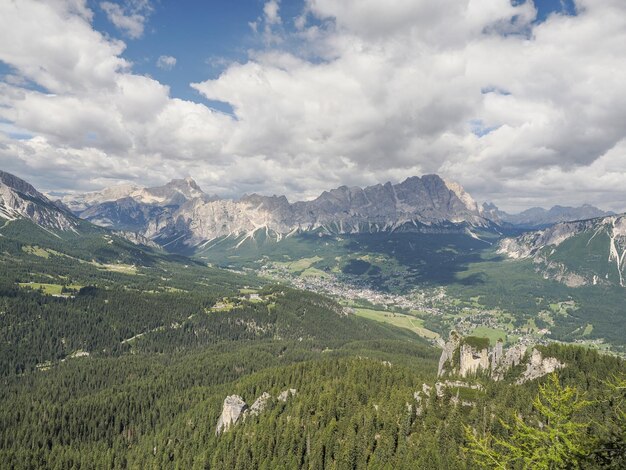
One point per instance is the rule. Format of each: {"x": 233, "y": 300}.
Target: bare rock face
{"x": 136, "y": 239}
{"x": 447, "y": 355}
{"x": 259, "y": 404}
{"x": 503, "y": 361}
{"x": 233, "y": 407}
{"x": 539, "y": 366}
{"x": 285, "y": 394}
{"x": 497, "y": 354}
{"x": 473, "y": 359}
{"x": 464, "y": 356}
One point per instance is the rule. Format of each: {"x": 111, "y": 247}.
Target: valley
{"x": 118, "y": 352}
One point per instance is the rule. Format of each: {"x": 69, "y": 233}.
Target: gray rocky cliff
{"x": 285, "y": 394}
{"x": 18, "y": 199}
{"x": 232, "y": 409}
{"x": 538, "y": 366}
{"x": 235, "y": 409}
{"x": 446, "y": 360}
{"x": 473, "y": 359}
{"x": 464, "y": 356}
{"x": 260, "y": 404}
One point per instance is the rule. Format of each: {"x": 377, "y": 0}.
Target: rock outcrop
{"x": 260, "y": 403}
{"x": 447, "y": 355}
{"x": 539, "y": 366}
{"x": 473, "y": 359}
{"x": 502, "y": 361}
{"x": 233, "y": 407}
{"x": 464, "y": 356}
{"x": 285, "y": 394}
{"x": 136, "y": 239}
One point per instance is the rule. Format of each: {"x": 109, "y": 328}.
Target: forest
{"x": 125, "y": 361}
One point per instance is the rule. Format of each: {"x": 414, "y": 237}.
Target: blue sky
{"x": 205, "y": 35}
{"x": 522, "y": 103}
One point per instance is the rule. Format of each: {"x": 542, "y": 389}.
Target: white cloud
{"x": 166, "y": 62}
{"x": 270, "y": 9}
{"x": 129, "y": 17}
{"x": 520, "y": 113}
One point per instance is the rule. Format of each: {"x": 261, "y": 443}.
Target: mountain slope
{"x": 18, "y": 200}
{"x": 576, "y": 253}
{"x": 30, "y": 221}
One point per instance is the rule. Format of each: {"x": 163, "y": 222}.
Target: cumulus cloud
{"x": 270, "y": 9}
{"x": 166, "y": 62}
{"x": 129, "y": 17}
{"x": 269, "y": 25}
{"x": 520, "y": 112}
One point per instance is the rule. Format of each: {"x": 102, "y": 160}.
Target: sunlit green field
{"x": 400, "y": 320}
{"x": 50, "y": 289}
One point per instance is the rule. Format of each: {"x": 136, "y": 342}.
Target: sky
{"x": 521, "y": 102}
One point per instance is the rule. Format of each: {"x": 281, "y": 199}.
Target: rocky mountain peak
{"x": 20, "y": 200}
{"x": 595, "y": 252}
{"x": 19, "y": 185}
{"x": 187, "y": 186}
{"x": 463, "y": 195}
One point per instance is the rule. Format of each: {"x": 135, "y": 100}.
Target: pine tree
{"x": 550, "y": 439}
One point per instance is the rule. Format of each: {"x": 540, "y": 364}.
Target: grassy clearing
{"x": 493, "y": 334}
{"x": 547, "y": 317}
{"x": 562, "y": 307}
{"x": 37, "y": 251}
{"x": 313, "y": 272}
{"x": 42, "y": 252}
{"x": 248, "y": 291}
{"x": 299, "y": 265}
{"x": 224, "y": 306}
{"x": 117, "y": 268}
{"x": 50, "y": 289}
{"x": 400, "y": 320}
{"x": 172, "y": 289}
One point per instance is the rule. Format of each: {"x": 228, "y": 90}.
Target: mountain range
{"x": 538, "y": 217}
{"x": 179, "y": 211}
{"x": 180, "y": 215}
